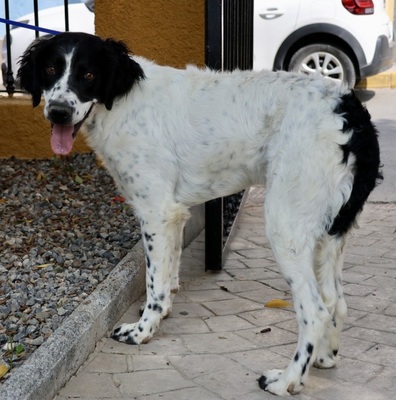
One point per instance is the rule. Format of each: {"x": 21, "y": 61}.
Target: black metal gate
{"x": 7, "y": 72}
{"x": 229, "y": 45}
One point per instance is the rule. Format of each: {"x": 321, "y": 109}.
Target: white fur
{"x": 182, "y": 137}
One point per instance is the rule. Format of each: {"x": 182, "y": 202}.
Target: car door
{"x": 274, "y": 20}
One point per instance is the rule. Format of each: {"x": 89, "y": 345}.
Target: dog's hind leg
{"x": 162, "y": 235}
{"x": 312, "y": 318}
{"x": 292, "y": 234}
{"x": 328, "y": 270}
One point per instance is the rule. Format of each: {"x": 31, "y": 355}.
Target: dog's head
{"x": 74, "y": 71}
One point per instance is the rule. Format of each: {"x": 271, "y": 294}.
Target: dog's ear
{"x": 122, "y": 72}
{"x": 29, "y": 72}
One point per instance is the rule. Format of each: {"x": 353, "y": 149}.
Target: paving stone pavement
{"x": 216, "y": 343}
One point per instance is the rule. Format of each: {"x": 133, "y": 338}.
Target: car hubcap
{"x": 324, "y": 63}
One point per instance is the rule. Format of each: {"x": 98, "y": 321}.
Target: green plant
{"x": 14, "y": 350}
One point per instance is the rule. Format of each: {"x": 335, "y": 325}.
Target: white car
{"x": 81, "y": 19}
{"x": 346, "y": 40}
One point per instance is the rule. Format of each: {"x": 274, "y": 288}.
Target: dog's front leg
{"x": 161, "y": 239}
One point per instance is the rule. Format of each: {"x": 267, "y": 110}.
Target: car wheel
{"x": 328, "y": 60}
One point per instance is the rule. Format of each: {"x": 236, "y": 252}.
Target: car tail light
{"x": 359, "y": 7}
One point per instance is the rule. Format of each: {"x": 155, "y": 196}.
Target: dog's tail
{"x": 364, "y": 146}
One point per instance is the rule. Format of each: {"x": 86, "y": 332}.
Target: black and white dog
{"x": 174, "y": 138}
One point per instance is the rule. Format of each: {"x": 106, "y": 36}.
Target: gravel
{"x": 63, "y": 227}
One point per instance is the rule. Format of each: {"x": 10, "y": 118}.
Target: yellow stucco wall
{"x": 168, "y": 31}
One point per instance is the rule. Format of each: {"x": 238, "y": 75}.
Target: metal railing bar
{"x": 66, "y": 3}
{"x": 214, "y": 52}
{"x": 9, "y": 81}
{"x": 36, "y": 17}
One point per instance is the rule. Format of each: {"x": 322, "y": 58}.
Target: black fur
{"x": 262, "y": 381}
{"x": 364, "y": 146}
{"x": 108, "y": 60}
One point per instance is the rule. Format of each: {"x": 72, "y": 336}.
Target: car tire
{"x": 326, "y": 59}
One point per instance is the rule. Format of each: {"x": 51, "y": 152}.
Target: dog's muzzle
{"x": 60, "y": 113}
{"x": 63, "y": 132}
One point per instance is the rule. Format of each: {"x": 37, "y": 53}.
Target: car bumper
{"x": 382, "y": 60}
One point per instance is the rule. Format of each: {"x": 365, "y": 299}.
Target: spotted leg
{"x": 293, "y": 244}
{"x": 174, "y": 260}
{"x": 161, "y": 237}
{"x": 328, "y": 270}
{"x": 312, "y": 317}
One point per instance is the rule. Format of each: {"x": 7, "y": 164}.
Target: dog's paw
{"x": 276, "y": 382}
{"x": 131, "y": 334}
{"x": 272, "y": 382}
{"x": 326, "y": 361}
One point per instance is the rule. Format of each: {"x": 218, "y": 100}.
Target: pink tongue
{"x": 62, "y": 139}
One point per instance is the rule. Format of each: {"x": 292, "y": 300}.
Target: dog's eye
{"x": 89, "y": 76}
{"x": 50, "y": 70}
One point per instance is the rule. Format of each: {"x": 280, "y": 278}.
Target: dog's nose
{"x": 60, "y": 113}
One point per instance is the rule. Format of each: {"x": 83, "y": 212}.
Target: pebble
{"x": 35, "y": 342}
{"x": 62, "y": 311}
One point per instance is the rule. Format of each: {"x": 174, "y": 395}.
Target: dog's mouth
{"x": 62, "y": 136}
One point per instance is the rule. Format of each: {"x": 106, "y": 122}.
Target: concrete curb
{"x": 60, "y": 356}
